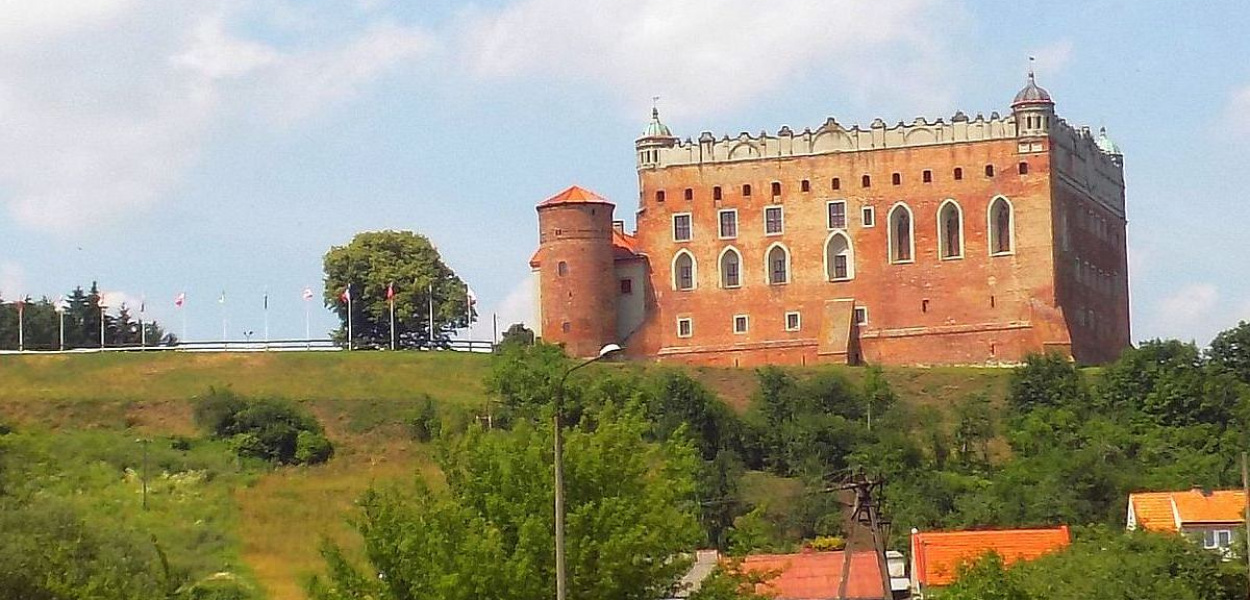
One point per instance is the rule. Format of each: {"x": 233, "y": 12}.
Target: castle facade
{"x": 969, "y": 241}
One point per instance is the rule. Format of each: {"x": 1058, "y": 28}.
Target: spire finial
{"x": 1031, "y": 61}
{"x": 655, "y": 108}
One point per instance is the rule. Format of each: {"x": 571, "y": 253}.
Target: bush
{"x": 267, "y": 429}
{"x": 426, "y": 425}
{"x": 312, "y": 448}
{"x": 180, "y": 442}
{"x": 827, "y": 543}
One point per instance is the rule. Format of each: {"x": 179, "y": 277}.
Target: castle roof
{"x": 574, "y": 195}
{"x": 1105, "y": 144}
{"x": 656, "y": 129}
{"x": 624, "y": 247}
{"x": 1032, "y": 94}
{"x": 936, "y": 555}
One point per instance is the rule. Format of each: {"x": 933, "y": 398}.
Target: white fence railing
{"x": 318, "y": 345}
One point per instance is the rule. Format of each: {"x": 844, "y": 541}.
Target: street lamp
{"x": 604, "y": 352}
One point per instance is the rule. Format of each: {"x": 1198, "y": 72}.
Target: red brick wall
{"x": 580, "y": 235}
{"x": 958, "y": 324}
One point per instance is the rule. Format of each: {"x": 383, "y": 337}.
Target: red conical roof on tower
{"x": 574, "y": 195}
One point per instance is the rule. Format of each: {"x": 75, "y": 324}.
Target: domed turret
{"x": 1109, "y": 147}
{"x": 653, "y": 140}
{"x": 1033, "y": 109}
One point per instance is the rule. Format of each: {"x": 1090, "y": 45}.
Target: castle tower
{"x": 577, "y": 280}
{"x": 1034, "y": 110}
{"x": 656, "y": 138}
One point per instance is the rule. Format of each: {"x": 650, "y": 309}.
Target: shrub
{"x": 180, "y": 442}
{"x": 312, "y": 448}
{"x": 827, "y": 543}
{"x": 267, "y": 429}
{"x": 426, "y": 425}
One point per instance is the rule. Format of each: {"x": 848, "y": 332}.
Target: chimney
{"x": 619, "y": 226}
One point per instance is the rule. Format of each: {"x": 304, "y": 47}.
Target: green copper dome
{"x": 1105, "y": 144}
{"x": 656, "y": 129}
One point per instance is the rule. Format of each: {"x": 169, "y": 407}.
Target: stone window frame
{"x": 781, "y": 221}
{"x": 798, "y": 320}
{"x": 941, "y": 231}
{"x": 868, "y": 216}
{"x": 991, "y": 230}
{"x": 850, "y": 257}
{"x": 768, "y": 264}
{"x": 746, "y": 324}
{"x": 720, "y": 268}
{"x": 689, "y": 227}
{"x": 856, "y": 318}
{"x": 720, "y": 224}
{"x": 689, "y": 329}
{"x": 829, "y": 214}
{"x": 891, "y": 253}
{"x": 694, "y": 272}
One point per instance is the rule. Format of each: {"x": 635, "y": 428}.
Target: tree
{"x": 408, "y": 262}
{"x": 1230, "y": 351}
{"x": 630, "y": 516}
{"x": 517, "y": 335}
{"x": 1046, "y": 380}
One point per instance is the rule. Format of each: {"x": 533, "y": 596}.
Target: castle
{"x": 974, "y": 241}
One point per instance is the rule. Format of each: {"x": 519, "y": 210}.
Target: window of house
{"x": 900, "y": 234}
{"x": 837, "y": 214}
{"x": 746, "y": 190}
{"x": 776, "y": 189}
{"x": 868, "y": 216}
{"x": 773, "y": 220}
{"x": 659, "y": 195}
{"x": 685, "y": 327}
{"x": 1223, "y": 538}
{"x": 839, "y": 259}
{"x": 683, "y": 271}
{"x": 861, "y": 315}
{"x": 566, "y": 327}
{"x": 562, "y": 268}
{"x": 778, "y": 265}
{"x": 716, "y": 193}
{"x": 1208, "y": 539}
{"x": 865, "y": 181}
{"x": 927, "y": 176}
{"x": 959, "y": 173}
{"x": 728, "y": 224}
{"x": 836, "y": 183}
{"x": 793, "y": 321}
{"x": 1001, "y": 226}
{"x": 1024, "y": 168}
{"x": 896, "y": 178}
{"x": 730, "y": 268}
{"x": 681, "y": 227}
{"x": 740, "y": 323}
{"x": 627, "y": 287}
{"x": 989, "y": 170}
{"x": 689, "y": 193}
{"x": 950, "y": 230}
{"x": 805, "y": 186}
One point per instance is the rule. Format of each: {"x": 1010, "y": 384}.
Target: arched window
{"x": 950, "y": 230}
{"x": 901, "y": 242}
{"x": 730, "y": 268}
{"x": 778, "y": 265}
{"x": 562, "y": 268}
{"x": 1001, "y": 226}
{"x": 684, "y": 271}
{"x": 839, "y": 258}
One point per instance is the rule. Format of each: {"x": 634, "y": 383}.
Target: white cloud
{"x": 1191, "y": 312}
{"x": 516, "y": 307}
{"x": 1238, "y": 110}
{"x": 1052, "y": 58}
{"x": 107, "y": 120}
{"x": 708, "y": 55}
{"x": 12, "y": 280}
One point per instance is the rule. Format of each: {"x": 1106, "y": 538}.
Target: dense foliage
{"x": 266, "y": 429}
{"x": 41, "y": 324}
{"x": 411, "y": 266}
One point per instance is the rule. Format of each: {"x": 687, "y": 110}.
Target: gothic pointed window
{"x": 1001, "y": 226}
{"x": 900, "y": 234}
{"x": 730, "y": 268}
{"x": 839, "y": 260}
{"x": 683, "y": 271}
{"x": 778, "y": 265}
{"x": 950, "y": 230}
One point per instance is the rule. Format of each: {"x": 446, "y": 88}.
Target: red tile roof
{"x": 574, "y": 195}
{"x": 936, "y": 556}
{"x": 624, "y": 247}
{"x": 1160, "y": 511}
{"x": 817, "y": 575}
{"x": 1153, "y": 510}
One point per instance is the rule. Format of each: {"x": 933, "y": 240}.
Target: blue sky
{"x": 181, "y": 145}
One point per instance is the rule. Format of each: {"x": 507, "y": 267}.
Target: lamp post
{"x": 559, "y": 467}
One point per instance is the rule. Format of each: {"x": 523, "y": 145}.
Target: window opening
{"x": 773, "y": 220}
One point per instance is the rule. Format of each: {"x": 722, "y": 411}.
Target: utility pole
{"x": 867, "y": 512}
{"x": 144, "y": 442}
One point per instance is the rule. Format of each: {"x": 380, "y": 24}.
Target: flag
{"x": 390, "y": 291}
{"x": 21, "y": 305}
{"x": 266, "y": 300}
{"x": 61, "y": 305}
{"x": 222, "y": 299}
{"x": 468, "y": 292}
{"x": 346, "y": 296}
{"x": 143, "y": 305}
{"x": 180, "y": 299}
{"x": 308, "y": 293}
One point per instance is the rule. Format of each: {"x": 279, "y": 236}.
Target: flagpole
{"x": 307, "y": 326}
{"x": 21, "y": 326}
{"x": 431, "y": 340}
{"x": 266, "y": 318}
{"x": 61, "y": 329}
{"x": 349, "y": 317}
{"x": 143, "y": 331}
{"x": 392, "y": 295}
{"x": 101, "y": 324}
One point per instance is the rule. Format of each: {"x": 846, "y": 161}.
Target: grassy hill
{"x": 78, "y": 417}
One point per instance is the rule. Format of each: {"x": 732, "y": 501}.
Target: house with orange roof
{"x": 937, "y": 555}
{"x": 811, "y": 575}
{"x": 1206, "y": 516}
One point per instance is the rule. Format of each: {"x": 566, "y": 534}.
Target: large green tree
{"x": 489, "y": 536}
{"x": 375, "y": 260}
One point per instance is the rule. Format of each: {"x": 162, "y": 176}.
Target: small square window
{"x": 896, "y": 178}
{"x": 728, "y": 224}
{"x": 959, "y": 173}
{"x": 1223, "y": 538}
{"x": 927, "y": 176}
{"x": 989, "y": 170}
{"x": 689, "y": 194}
{"x": 627, "y": 287}
{"x": 805, "y": 186}
{"x": 837, "y": 214}
{"x": 659, "y": 195}
{"x": 773, "y": 220}
{"x": 1208, "y": 539}
{"x": 746, "y": 190}
{"x": 566, "y": 327}
{"x": 740, "y": 324}
{"x": 1024, "y": 168}
{"x": 861, "y": 315}
{"x": 776, "y": 188}
{"x": 869, "y": 216}
{"x": 836, "y": 183}
{"x": 681, "y": 228}
{"x": 793, "y": 321}
{"x": 865, "y": 181}
{"x": 685, "y": 327}
{"x": 716, "y": 193}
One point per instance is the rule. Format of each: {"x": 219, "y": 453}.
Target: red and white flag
{"x": 308, "y": 293}
{"x": 346, "y": 296}
{"x": 390, "y": 291}
{"x": 182, "y": 298}
{"x": 470, "y": 295}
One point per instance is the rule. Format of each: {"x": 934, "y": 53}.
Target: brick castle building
{"x": 969, "y": 241}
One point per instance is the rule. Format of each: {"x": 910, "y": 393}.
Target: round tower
{"x": 655, "y": 139}
{"x": 577, "y": 276}
{"x": 1033, "y": 108}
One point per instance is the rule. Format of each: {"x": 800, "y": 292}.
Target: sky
{"x": 170, "y": 146}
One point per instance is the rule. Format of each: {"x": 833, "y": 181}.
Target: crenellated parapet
{"x": 1078, "y": 160}
{"x": 833, "y": 137}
